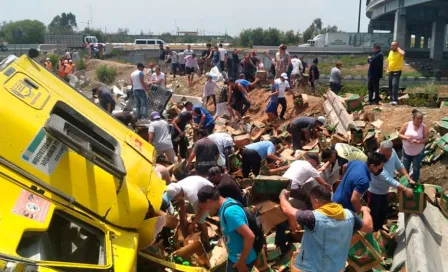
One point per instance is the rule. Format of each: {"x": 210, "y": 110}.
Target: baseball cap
{"x": 140, "y": 65}
{"x": 173, "y": 190}
{"x": 206, "y": 193}
{"x": 70, "y": 61}
{"x": 155, "y": 115}
{"x": 48, "y": 58}
{"x": 321, "y": 120}
{"x": 284, "y": 75}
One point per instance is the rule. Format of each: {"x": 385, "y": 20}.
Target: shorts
{"x": 237, "y": 105}
{"x": 272, "y": 108}
{"x": 189, "y": 70}
{"x": 182, "y": 68}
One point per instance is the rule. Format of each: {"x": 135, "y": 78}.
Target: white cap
{"x": 321, "y": 119}
{"x": 173, "y": 190}
{"x": 48, "y": 58}
{"x": 284, "y": 75}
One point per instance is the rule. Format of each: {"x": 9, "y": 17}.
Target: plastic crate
{"x": 158, "y": 98}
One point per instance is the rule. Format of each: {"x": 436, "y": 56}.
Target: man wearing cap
{"x": 238, "y": 237}
{"x": 187, "y": 189}
{"x": 342, "y": 154}
{"x": 376, "y": 195}
{"x": 139, "y": 89}
{"x": 107, "y": 102}
{"x": 206, "y": 153}
{"x": 160, "y": 137}
{"x": 48, "y": 65}
{"x": 283, "y": 86}
{"x": 302, "y": 127}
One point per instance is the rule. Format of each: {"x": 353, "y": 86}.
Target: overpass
{"x": 425, "y": 19}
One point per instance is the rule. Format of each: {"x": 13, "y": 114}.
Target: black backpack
{"x": 254, "y": 225}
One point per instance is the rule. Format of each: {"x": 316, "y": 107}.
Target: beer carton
{"x": 416, "y": 205}
{"x": 363, "y": 255}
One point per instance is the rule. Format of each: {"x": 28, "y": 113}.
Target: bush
{"x": 81, "y": 64}
{"x": 106, "y": 74}
{"x": 54, "y": 59}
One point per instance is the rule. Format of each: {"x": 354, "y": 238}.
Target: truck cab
{"x": 80, "y": 189}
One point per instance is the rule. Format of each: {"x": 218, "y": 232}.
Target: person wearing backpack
{"x": 243, "y": 236}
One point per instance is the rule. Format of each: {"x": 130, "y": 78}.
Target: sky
{"x": 192, "y": 15}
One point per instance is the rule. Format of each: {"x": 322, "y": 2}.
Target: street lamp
{"x": 359, "y": 16}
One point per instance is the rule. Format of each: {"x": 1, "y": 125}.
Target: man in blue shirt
{"x": 204, "y": 119}
{"x": 253, "y": 154}
{"x": 238, "y": 237}
{"x": 356, "y": 181}
{"x": 271, "y": 109}
{"x": 376, "y": 196}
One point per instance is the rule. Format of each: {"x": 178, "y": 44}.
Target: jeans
{"x": 174, "y": 67}
{"x": 181, "y": 146}
{"x": 416, "y": 164}
{"x": 296, "y": 134}
{"x": 222, "y": 65}
{"x": 141, "y": 101}
{"x": 379, "y": 205}
{"x": 394, "y": 85}
{"x": 335, "y": 87}
{"x": 229, "y": 266}
{"x": 374, "y": 88}
{"x": 251, "y": 160}
{"x": 282, "y": 102}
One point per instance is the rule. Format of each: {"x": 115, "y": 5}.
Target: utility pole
{"x": 359, "y": 16}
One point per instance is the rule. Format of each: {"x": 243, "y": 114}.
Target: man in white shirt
{"x": 283, "y": 86}
{"x": 187, "y": 189}
{"x": 225, "y": 145}
{"x": 181, "y": 59}
{"x": 222, "y": 57}
{"x": 188, "y": 52}
{"x": 139, "y": 89}
{"x": 158, "y": 78}
{"x": 160, "y": 137}
{"x": 297, "y": 68}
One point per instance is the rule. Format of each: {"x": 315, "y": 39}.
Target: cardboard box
{"x": 301, "y": 101}
{"x": 218, "y": 256}
{"x": 353, "y": 103}
{"x": 362, "y": 255}
{"x": 431, "y": 191}
{"x": 395, "y": 139}
{"x": 443, "y": 203}
{"x": 256, "y": 133}
{"x": 268, "y": 187}
{"x": 241, "y": 141}
{"x": 287, "y": 154}
{"x": 311, "y": 145}
{"x": 338, "y": 138}
{"x": 271, "y": 215}
{"x": 262, "y": 75}
{"x": 181, "y": 171}
{"x": 416, "y": 205}
{"x": 261, "y": 263}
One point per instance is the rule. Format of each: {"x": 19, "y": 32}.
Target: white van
{"x": 150, "y": 42}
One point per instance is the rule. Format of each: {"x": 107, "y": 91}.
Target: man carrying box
{"x": 328, "y": 231}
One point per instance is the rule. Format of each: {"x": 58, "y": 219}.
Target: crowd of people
{"x": 375, "y": 73}
{"x": 329, "y": 213}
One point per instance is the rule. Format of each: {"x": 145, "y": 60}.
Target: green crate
{"x": 416, "y": 205}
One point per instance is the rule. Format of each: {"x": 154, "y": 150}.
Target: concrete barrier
{"x": 337, "y": 114}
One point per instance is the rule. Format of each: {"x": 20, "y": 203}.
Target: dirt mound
{"x": 123, "y": 70}
{"x": 180, "y": 85}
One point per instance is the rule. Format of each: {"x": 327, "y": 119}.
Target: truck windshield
{"x": 6, "y": 62}
{"x": 94, "y": 40}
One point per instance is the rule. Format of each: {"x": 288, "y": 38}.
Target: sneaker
{"x": 394, "y": 103}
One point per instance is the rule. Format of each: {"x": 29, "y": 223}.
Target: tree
{"x": 290, "y": 38}
{"x": 24, "y": 31}
{"x": 308, "y": 34}
{"x": 63, "y": 23}
{"x": 245, "y": 38}
{"x": 318, "y": 25}
{"x": 329, "y": 29}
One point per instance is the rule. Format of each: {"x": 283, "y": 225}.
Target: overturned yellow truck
{"x": 79, "y": 191}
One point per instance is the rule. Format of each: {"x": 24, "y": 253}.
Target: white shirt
{"x": 223, "y": 141}
{"x": 282, "y": 86}
{"x": 191, "y": 186}
{"x": 67, "y": 55}
{"x": 136, "y": 80}
{"x": 300, "y": 172}
{"x": 155, "y": 77}
{"x": 181, "y": 57}
{"x": 222, "y": 54}
{"x": 296, "y": 66}
{"x": 188, "y": 52}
